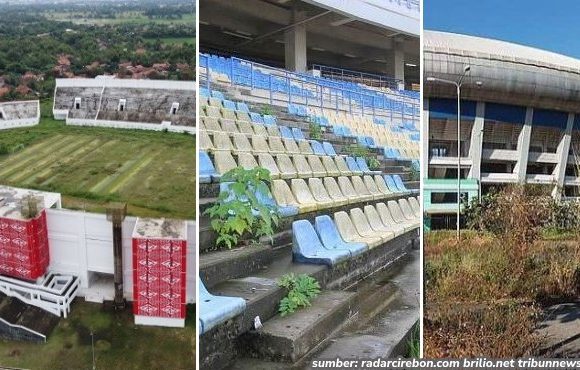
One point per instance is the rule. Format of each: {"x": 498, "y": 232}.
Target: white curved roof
{"x": 454, "y": 43}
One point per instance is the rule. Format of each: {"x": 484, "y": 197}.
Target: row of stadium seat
{"x": 263, "y": 144}
{"x": 245, "y": 73}
{"x": 330, "y": 242}
{"x": 249, "y": 128}
{"x": 320, "y": 194}
{"x": 317, "y": 194}
{"x": 286, "y": 166}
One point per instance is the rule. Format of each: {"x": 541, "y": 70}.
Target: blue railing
{"x": 290, "y": 87}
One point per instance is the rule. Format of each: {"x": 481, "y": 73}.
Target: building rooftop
{"x": 160, "y": 228}
{"x": 10, "y": 205}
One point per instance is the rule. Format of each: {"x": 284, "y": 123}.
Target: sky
{"x": 552, "y": 25}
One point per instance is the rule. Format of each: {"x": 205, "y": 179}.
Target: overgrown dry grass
{"x": 482, "y": 296}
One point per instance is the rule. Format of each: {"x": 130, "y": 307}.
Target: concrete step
{"x": 386, "y": 334}
{"x": 18, "y": 317}
{"x": 383, "y": 311}
{"x": 290, "y": 338}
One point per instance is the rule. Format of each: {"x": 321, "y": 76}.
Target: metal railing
{"x": 369, "y": 79}
{"x": 300, "y": 89}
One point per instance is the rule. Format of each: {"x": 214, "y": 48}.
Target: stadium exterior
{"x": 520, "y": 118}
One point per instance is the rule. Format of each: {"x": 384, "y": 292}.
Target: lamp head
{"x": 467, "y": 68}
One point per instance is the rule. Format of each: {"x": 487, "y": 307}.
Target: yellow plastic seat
{"x": 302, "y": 194}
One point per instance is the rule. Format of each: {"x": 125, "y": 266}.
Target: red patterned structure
{"x": 24, "y": 247}
{"x": 159, "y": 277}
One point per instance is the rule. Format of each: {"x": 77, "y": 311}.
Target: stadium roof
{"x": 501, "y": 71}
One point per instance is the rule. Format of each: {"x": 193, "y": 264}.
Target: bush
{"x": 516, "y": 213}
{"x": 301, "y": 289}
{"x": 233, "y": 215}
{"x": 315, "y": 131}
{"x": 267, "y": 111}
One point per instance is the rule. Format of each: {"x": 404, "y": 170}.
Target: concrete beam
{"x": 476, "y": 145}
{"x": 523, "y": 149}
{"x": 425, "y": 141}
{"x": 295, "y": 54}
{"x": 562, "y": 153}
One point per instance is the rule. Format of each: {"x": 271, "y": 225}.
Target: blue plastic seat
{"x": 228, "y": 104}
{"x": 331, "y": 238}
{"x": 268, "y": 200}
{"x": 317, "y": 148}
{"x": 285, "y": 132}
{"x": 338, "y": 130}
{"x": 361, "y": 140}
{"x": 390, "y": 153}
{"x": 347, "y": 132}
{"x": 256, "y": 118}
{"x": 307, "y": 248}
{"x": 362, "y": 164}
{"x": 298, "y": 134}
{"x": 214, "y": 310}
{"x": 400, "y": 184}
{"x": 243, "y": 107}
{"x": 203, "y": 91}
{"x": 397, "y": 154}
{"x": 265, "y": 199}
{"x": 391, "y": 184}
{"x": 370, "y": 142}
{"x": 217, "y": 94}
{"x": 269, "y": 120}
{"x": 352, "y": 165}
{"x": 206, "y": 168}
{"x": 328, "y": 148}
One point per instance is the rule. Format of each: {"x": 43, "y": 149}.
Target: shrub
{"x": 267, "y": 111}
{"x": 516, "y": 213}
{"x": 239, "y": 212}
{"x": 301, "y": 289}
{"x": 315, "y": 131}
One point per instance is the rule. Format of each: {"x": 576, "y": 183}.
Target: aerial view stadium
{"x": 309, "y": 174}
{"x": 97, "y": 185}
{"x": 500, "y": 169}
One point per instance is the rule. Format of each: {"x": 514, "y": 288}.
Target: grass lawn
{"x": 119, "y": 343}
{"x": 484, "y": 297}
{"x": 154, "y": 172}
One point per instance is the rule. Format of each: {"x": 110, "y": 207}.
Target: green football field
{"x": 154, "y": 172}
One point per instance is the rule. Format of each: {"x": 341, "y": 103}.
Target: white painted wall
{"x": 127, "y": 125}
{"x": 82, "y": 242}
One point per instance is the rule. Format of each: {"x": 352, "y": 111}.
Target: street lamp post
{"x": 458, "y": 85}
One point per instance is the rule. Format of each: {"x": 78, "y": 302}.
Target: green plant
{"x": 315, "y": 131}
{"x": 373, "y": 163}
{"x": 414, "y": 173}
{"x": 414, "y": 343}
{"x": 301, "y": 290}
{"x": 267, "y": 111}
{"x": 238, "y": 211}
{"x": 356, "y": 150}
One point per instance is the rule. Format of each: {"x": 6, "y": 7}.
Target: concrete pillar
{"x": 476, "y": 141}
{"x": 425, "y": 140}
{"x": 397, "y": 61}
{"x": 562, "y": 154}
{"x": 524, "y": 147}
{"x": 295, "y": 44}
